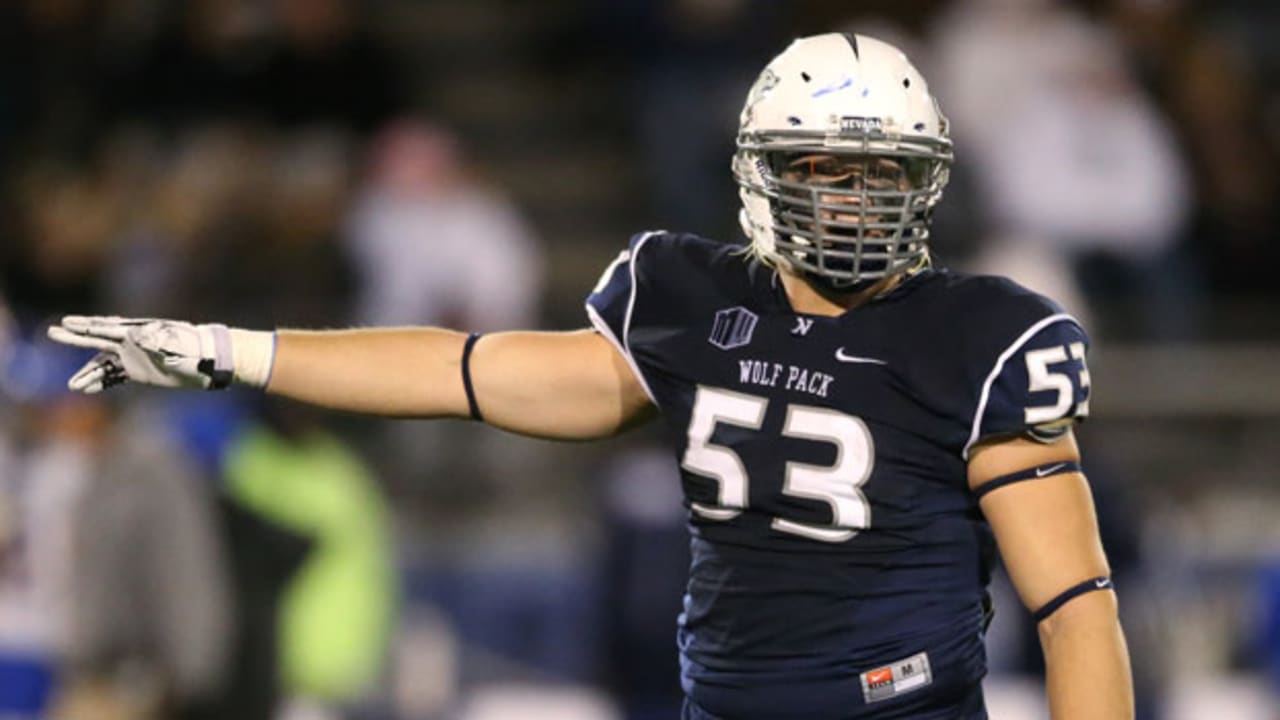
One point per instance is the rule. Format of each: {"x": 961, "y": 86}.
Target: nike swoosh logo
{"x": 842, "y": 357}
{"x": 1102, "y": 583}
{"x": 1046, "y": 472}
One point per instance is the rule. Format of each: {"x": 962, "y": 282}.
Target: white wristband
{"x": 252, "y": 354}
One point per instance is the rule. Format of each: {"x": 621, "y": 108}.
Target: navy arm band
{"x": 1049, "y": 608}
{"x": 1032, "y": 473}
{"x": 466, "y": 376}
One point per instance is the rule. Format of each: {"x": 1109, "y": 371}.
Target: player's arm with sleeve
{"x": 1025, "y": 466}
{"x": 568, "y": 385}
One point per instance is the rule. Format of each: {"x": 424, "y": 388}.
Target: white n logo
{"x": 802, "y": 326}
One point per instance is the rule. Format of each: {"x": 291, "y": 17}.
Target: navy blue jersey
{"x": 839, "y": 560}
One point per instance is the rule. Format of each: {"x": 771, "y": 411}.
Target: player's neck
{"x": 812, "y": 300}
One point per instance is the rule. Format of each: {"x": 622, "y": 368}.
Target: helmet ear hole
{"x": 804, "y": 76}
{"x": 906, "y": 82}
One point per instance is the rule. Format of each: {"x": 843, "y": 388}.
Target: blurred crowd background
{"x": 329, "y": 163}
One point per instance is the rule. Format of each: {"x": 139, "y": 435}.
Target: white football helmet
{"x": 842, "y": 155}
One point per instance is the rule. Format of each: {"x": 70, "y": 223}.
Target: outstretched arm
{"x": 1048, "y": 538}
{"x": 568, "y": 385}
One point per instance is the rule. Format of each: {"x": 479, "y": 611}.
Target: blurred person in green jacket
{"x": 337, "y": 611}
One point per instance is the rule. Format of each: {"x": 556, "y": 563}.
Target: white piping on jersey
{"x": 603, "y": 328}
{"x": 631, "y": 301}
{"x": 605, "y": 276}
{"x": 625, "y": 345}
{"x": 995, "y": 372}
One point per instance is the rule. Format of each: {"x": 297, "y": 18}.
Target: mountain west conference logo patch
{"x": 732, "y": 328}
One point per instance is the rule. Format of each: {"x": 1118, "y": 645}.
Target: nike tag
{"x": 1047, "y": 471}
{"x": 896, "y": 678}
{"x": 842, "y": 357}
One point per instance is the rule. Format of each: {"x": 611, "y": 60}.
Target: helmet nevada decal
{"x": 860, "y": 125}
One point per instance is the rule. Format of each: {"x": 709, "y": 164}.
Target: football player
{"x": 858, "y": 431}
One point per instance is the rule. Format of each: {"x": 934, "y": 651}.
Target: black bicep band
{"x": 1099, "y": 583}
{"x": 466, "y": 376}
{"x": 1031, "y": 473}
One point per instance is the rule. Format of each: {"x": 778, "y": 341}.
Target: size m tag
{"x": 896, "y": 678}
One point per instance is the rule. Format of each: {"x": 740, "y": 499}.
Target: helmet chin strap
{"x": 833, "y": 286}
{"x": 838, "y": 286}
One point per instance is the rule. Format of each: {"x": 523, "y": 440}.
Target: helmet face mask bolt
{"x": 842, "y": 155}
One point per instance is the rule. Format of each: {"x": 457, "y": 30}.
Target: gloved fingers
{"x": 100, "y": 373}
{"x": 111, "y": 327}
{"x": 61, "y": 334}
{"x": 88, "y": 379}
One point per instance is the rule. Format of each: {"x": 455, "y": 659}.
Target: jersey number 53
{"x": 836, "y": 485}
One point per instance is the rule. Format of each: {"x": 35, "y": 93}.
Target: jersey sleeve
{"x": 611, "y": 304}
{"x": 1039, "y": 386}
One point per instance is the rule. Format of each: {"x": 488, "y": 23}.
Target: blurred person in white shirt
{"x": 1080, "y": 173}
{"x": 434, "y": 244}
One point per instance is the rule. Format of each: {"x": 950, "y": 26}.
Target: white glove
{"x": 166, "y": 353}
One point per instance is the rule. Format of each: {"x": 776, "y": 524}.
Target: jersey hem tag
{"x": 898, "y": 677}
